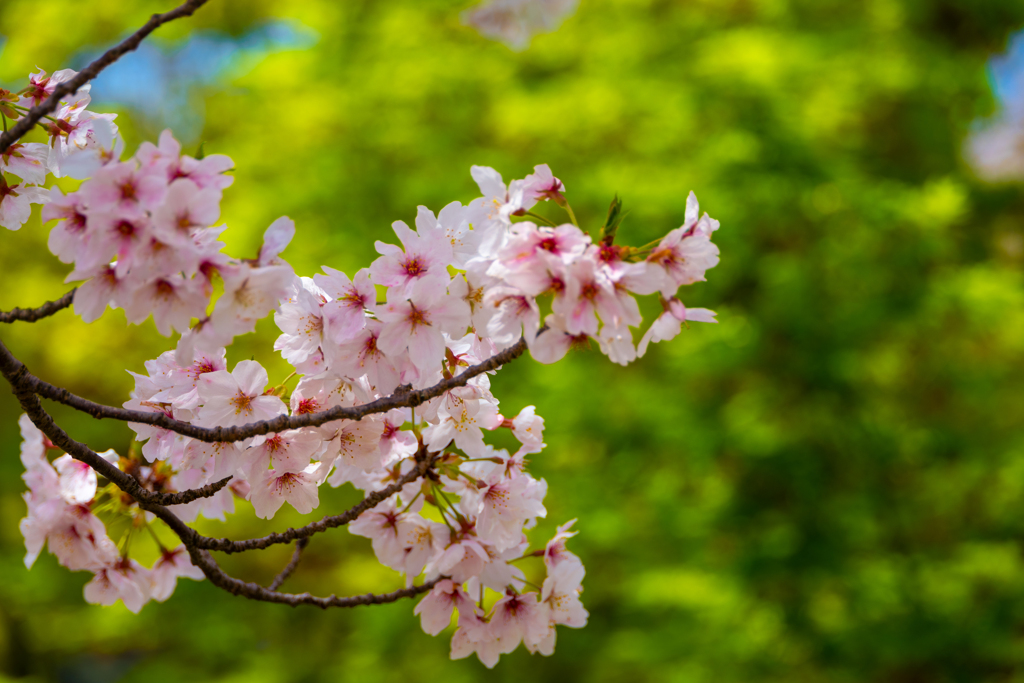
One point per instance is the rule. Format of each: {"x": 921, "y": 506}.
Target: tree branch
{"x": 409, "y": 399}
{"x": 30, "y": 315}
{"x": 254, "y": 591}
{"x": 290, "y": 567}
{"x": 156, "y": 503}
{"x": 36, "y": 113}
{"x": 226, "y": 545}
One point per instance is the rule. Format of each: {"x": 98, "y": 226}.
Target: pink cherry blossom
{"x": 237, "y": 398}
{"x": 588, "y": 293}
{"x": 27, "y": 160}
{"x": 551, "y": 345}
{"x": 670, "y": 323}
{"x": 514, "y": 314}
{"x": 541, "y": 184}
{"x": 126, "y": 580}
{"x": 77, "y": 480}
{"x": 616, "y": 342}
{"x": 172, "y": 300}
{"x": 41, "y": 86}
{"x": 421, "y": 540}
{"x": 16, "y": 203}
{"x": 353, "y": 444}
{"x": 68, "y": 238}
{"x": 435, "y": 610}
{"x": 125, "y": 188}
{"x": 301, "y": 321}
{"x": 249, "y": 295}
{"x": 102, "y": 289}
{"x": 386, "y": 527}
{"x": 172, "y": 565}
{"x": 274, "y": 487}
{"x": 555, "y": 552}
{"x": 561, "y": 595}
{"x": 687, "y": 252}
{"x": 517, "y": 618}
{"x": 463, "y": 422}
{"x": 185, "y": 208}
{"x": 361, "y": 356}
{"x": 502, "y": 506}
{"x": 345, "y": 313}
{"x": 208, "y": 172}
{"x": 417, "y": 323}
{"x": 528, "y": 427}
{"x": 278, "y": 236}
{"x": 475, "y": 636}
{"x": 290, "y": 451}
{"x": 423, "y": 257}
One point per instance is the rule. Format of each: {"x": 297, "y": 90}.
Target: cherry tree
{"x": 392, "y": 396}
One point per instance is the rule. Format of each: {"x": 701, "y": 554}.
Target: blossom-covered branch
{"x": 75, "y": 82}
{"x": 372, "y": 499}
{"x": 193, "y": 542}
{"x": 409, "y": 398}
{"x": 392, "y": 397}
{"x": 31, "y": 315}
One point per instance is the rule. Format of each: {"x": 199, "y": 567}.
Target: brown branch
{"x": 154, "y": 502}
{"x": 290, "y": 567}
{"x": 79, "y": 451}
{"x": 36, "y": 113}
{"x": 423, "y": 464}
{"x": 30, "y": 315}
{"x": 254, "y": 591}
{"x": 408, "y": 399}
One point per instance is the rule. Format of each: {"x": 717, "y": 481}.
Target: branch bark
{"x": 193, "y": 541}
{"x": 290, "y": 567}
{"x": 226, "y": 545}
{"x": 409, "y": 399}
{"x": 36, "y": 113}
{"x": 30, "y": 315}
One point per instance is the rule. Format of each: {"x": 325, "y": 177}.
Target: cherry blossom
{"x": 345, "y": 312}
{"x": 16, "y": 203}
{"x": 417, "y": 323}
{"x": 466, "y": 284}
{"x": 172, "y": 565}
{"x": 273, "y": 487}
{"x": 435, "y": 610}
{"x": 424, "y": 257}
{"x": 236, "y": 397}
{"x": 669, "y": 324}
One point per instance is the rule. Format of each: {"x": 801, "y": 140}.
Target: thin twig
{"x": 254, "y": 591}
{"x": 373, "y": 499}
{"x": 79, "y": 451}
{"x": 407, "y": 399}
{"x": 30, "y": 315}
{"x": 200, "y": 557}
{"x": 290, "y": 567}
{"x": 36, "y": 113}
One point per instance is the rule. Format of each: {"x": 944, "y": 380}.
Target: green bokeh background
{"x": 827, "y": 486}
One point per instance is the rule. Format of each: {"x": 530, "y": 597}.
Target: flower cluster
{"x": 79, "y": 141}
{"x": 460, "y": 287}
{"x": 62, "y": 501}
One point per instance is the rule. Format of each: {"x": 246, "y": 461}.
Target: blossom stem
{"x": 572, "y": 216}
{"x": 152, "y": 533}
{"x": 444, "y": 518}
{"x": 547, "y": 221}
{"x": 414, "y": 499}
{"x": 451, "y": 505}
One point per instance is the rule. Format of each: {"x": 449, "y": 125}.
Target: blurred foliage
{"x": 827, "y": 486}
